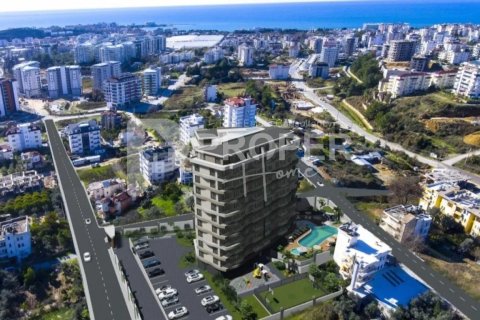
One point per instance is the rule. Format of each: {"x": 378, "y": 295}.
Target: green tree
{"x": 29, "y": 277}
{"x": 246, "y": 311}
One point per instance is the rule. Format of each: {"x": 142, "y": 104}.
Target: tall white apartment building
{"x": 278, "y": 71}
{"x": 103, "y": 71}
{"x": 28, "y": 76}
{"x": 245, "y": 55}
{"x": 15, "y": 238}
{"x": 406, "y": 223}
{"x": 8, "y": 96}
{"x": 157, "y": 164}
{"x": 156, "y": 44}
{"x": 152, "y": 81}
{"x": 454, "y": 56}
{"x": 83, "y": 137}
{"x": 112, "y": 53}
{"x": 189, "y": 125}
{"x": 84, "y": 53}
{"x": 467, "y": 82}
{"x": 359, "y": 254}
{"x": 239, "y": 112}
{"x": 122, "y": 90}
{"x": 64, "y": 81}
{"x": 213, "y": 55}
{"x": 329, "y": 55}
{"x": 24, "y": 136}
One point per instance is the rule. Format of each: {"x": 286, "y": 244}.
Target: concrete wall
{"x": 161, "y": 226}
{"x": 125, "y": 287}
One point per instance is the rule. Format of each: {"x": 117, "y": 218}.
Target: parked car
{"x": 156, "y": 272}
{"x": 167, "y": 294}
{"x": 211, "y": 308}
{"x": 162, "y": 288}
{"x": 225, "y": 317}
{"x": 194, "y": 278}
{"x": 141, "y": 246}
{"x": 191, "y": 272}
{"x": 146, "y": 254}
{"x": 178, "y": 313}
{"x": 203, "y": 289}
{"x": 170, "y": 301}
{"x": 151, "y": 263}
{"x": 209, "y": 300}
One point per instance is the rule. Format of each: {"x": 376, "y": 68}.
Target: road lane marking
{"x": 442, "y": 282}
{"x": 451, "y": 290}
{"x": 462, "y": 299}
{"x": 474, "y": 308}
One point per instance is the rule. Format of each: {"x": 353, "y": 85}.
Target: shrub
{"x": 279, "y": 265}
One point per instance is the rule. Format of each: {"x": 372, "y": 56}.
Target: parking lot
{"x": 170, "y": 253}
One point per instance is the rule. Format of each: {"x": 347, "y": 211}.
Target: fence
{"x": 159, "y": 226}
{"x": 128, "y": 295}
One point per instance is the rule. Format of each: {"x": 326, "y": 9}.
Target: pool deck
{"x": 324, "y": 246}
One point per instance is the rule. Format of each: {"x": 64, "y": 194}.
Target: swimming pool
{"x": 317, "y": 236}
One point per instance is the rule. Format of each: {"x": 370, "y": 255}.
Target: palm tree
{"x": 338, "y": 212}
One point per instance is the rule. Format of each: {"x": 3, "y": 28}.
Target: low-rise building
{"x": 185, "y": 173}
{"x": 157, "y": 164}
{"x": 24, "y": 136}
{"x": 105, "y": 189}
{"x": 20, "y": 182}
{"x": 188, "y": 126}
{"x": 31, "y": 160}
{"x": 210, "y": 93}
{"x": 359, "y": 254}
{"x": 406, "y": 224}
{"x": 6, "y": 152}
{"x": 83, "y": 137}
{"x": 15, "y": 238}
{"x": 239, "y": 113}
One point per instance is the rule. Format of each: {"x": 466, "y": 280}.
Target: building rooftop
{"x": 239, "y": 102}
{"x": 157, "y": 153}
{"x": 12, "y": 226}
{"x": 445, "y": 175}
{"x": 402, "y": 212}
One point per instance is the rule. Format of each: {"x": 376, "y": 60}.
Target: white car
{"x": 141, "y": 246}
{"x": 167, "y": 294}
{"x": 162, "y": 288}
{"x": 225, "y": 317}
{"x": 178, "y": 313}
{"x": 88, "y": 221}
{"x": 195, "y": 277}
{"x": 203, "y": 289}
{"x": 87, "y": 257}
{"x": 170, "y": 301}
{"x": 191, "y": 272}
{"x": 209, "y": 300}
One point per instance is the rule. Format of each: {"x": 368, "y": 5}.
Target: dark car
{"x": 146, "y": 254}
{"x": 211, "y": 308}
{"x": 151, "y": 263}
{"x": 156, "y": 272}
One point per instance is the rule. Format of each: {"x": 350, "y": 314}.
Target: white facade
{"x": 83, "y": 137}
{"x": 454, "y": 56}
{"x": 157, "y": 164}
{"x": 239, "y": 112}
{"x": 24, "y": 136}
{"x": 105, "y": 189}
{"x": 112, "y": 53}
{"x": 28, "y": 76}
{"x": 319, "y": 69}
{"x": 188, "y": 126}
{"x": 467, "y": 82}
{"x": 104, "y": 71}
{"x": 8, "y": 97}
{"x": 329, "y": 55}
{"x": 64, "y": 81}
{"x": 406, "y": 223}
{"x": 122, "y": 90}
{"x": 152, "y": 81}
{"x": 245, "y": 55}
{"x": 84, "y": 53}
{"x": 213, "y": 55}
{"x": 356, "y": 246}
{"x": 15, "y": 238}
{"x": 278, "y": 71}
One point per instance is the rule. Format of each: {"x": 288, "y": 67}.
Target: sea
{"x": 305, "y": 16}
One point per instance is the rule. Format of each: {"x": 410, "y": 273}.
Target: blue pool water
{"x": 317, "y": 236}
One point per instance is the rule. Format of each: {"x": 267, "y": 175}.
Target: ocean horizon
{"x": 304, "y": 16}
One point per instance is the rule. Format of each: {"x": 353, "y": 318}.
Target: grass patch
{"x": 187, "y": 260}
{"x": 96, "y": 174}
{"x": 292, "y": 294}
{"x": 373, "y": 210}
{"x": 351, "y": 115}
{"x": 304, "y": 186}
{"x": 165, "y": 205}
{"x": 184, "y": 98}
{"x": 327, "y": 209}
{"x": 257, "y": 306}
{"x": 228, "y": 305}
{"x": 62, "y": 314}
{"x": 232, "y": 89}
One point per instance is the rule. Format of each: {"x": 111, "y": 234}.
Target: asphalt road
{"x": 445, "y": 288}
{"x": 100, "y": 283}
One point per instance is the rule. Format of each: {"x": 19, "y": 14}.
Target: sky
{"x": 39, "y": 5}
